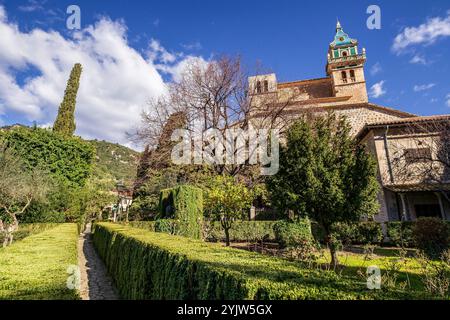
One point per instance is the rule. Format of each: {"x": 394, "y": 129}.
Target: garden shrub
{"x": 293, "y": 233}
{"x": 148, "y": 225}
{"x": 241, "y": 231}
{"x": 400, "y": 233}
{"x": 149, "y": 265}
{"x": 363, "y": 232}
{"x": 184, "y": 204}
{"x": 431, "y": 235}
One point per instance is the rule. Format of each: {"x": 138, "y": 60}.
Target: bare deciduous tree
{"x": 215, "y": 95}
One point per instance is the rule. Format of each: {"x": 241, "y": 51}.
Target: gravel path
{"x": 95, "y": 282}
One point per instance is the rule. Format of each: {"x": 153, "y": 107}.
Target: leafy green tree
{"x": 67, "y": 159}
{"x": 227, "y": 200}
{"x": 65, "y": 120}
{"x": 326, "y": 175}
{"x": 19, "y": 186}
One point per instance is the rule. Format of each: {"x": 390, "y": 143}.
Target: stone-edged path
{"x": 95, "y": 282}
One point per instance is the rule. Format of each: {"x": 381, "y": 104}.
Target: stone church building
{"x": 414, "y": 182}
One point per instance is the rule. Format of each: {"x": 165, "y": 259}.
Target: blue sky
{"x": 407, "y": 67}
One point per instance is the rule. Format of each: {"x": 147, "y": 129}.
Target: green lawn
{"x": 28, "y": 229}
{"x": 35, "y": 268}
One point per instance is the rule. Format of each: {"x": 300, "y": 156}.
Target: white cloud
{"x": 377, "y": 90}
{"x": 425, "y": 34}
{"x": 418, "y": 59}
{"x": 31, "y": 6}
{"x": 116, "y": 83}
{"x": 448, "y": 100}
{"x": 423, "y": 87}
{"x": 375, "y": 69}
{"x": 192, "y": 46}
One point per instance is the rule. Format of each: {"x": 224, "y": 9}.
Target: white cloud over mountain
{"x": 116, "y": 83}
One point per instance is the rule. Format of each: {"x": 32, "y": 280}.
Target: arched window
{"x": 344, "y": 53}
{"x": 344, "y": 76}
{"x": 352, "y": 75}
{"x": 258, "y": 86}
{"x": 266, "y": 86}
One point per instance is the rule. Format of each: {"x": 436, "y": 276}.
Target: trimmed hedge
{"x": 184, "y": 204}
{"x": 293, "y": 233}
{"x": 432, "y": 235}
{"x": 36, "y": 267}
{"x": 364, "y": 232}
{"x": 241, "y": 231}
{"x": 148, "y": 265}
{"x": 400, "y": 233}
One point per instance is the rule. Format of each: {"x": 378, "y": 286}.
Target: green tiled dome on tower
{"x": 343, "y": 50}
{"x": 341, "y": 38}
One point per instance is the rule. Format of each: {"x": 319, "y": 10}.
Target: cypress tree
{"x": 65, "y": 120}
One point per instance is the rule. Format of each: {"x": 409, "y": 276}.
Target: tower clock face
{"x": 341, "y": 39}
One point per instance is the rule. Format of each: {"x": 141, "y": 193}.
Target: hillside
{"x": 115, "y": 161}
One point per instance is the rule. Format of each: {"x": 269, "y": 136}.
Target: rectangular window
{"x": 417, "y": 155}
{"x": 266, "y": 86}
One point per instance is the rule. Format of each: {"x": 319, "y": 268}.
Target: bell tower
{"x": 345, "y": 67}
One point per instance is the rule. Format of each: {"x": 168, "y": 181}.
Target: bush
{"x": 363, "y": 232}
{"x": 431, "y": 235}
{"x": 400, "y": 233}
{"x": 148, "y": 265}
{"x": 36, "y": 267}
{"x": 293, "y": 234}
{"x": 185, "y": 205}
{"x": 148, "y": 225}
{"x": 241, "y": 231}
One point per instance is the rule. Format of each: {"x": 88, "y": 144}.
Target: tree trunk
{"x": 334, "y": 259}
{"x": 227, "y": 236}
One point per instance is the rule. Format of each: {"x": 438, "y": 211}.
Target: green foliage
{"x": 68, "y": 160}
{"x": 19, "y": 185}
{"x": 65, "y": 120}
{"x": 146, "y": 197}
{"x": 227, "y": 200}
{"x": 114, "y": 162}
{"x": 325, "y": 174}
{"x": 242, "y": 231}
{"x": 36, "y": 267}
{"x": 432, "y": 235}
{"x": 148, "y": 265}
{"x": 185, "y": 205}
{"x": 290, "y": 234}
{"x": 400, "y": 233}
{"x": 363, "y": 232}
